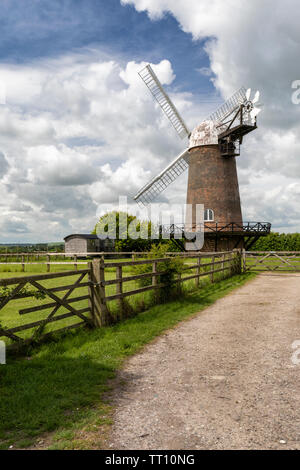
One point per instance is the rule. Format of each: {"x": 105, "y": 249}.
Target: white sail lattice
{"x": 158, "y": 184}
{"x": 152, "y": 82}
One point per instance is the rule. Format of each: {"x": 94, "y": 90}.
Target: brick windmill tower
{"x": 211, "y": 160}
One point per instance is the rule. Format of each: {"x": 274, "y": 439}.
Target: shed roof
{"x": 85, "y": 236}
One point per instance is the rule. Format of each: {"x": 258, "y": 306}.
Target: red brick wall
{"x": 223, "y": 244}
{"x": 212, "y": 181}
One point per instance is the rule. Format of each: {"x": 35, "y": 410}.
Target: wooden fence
{"x": 33, "y": 257}
{"x": 283, "y": 261}
{"x": 57, "y": 259}
{"x": 98, "y": 290}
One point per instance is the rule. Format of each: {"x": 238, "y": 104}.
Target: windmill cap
{"x": 204, "y": 134}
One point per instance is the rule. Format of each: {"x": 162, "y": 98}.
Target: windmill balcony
{"x": 229, "y": 229}
{"x": 218, "y": 236}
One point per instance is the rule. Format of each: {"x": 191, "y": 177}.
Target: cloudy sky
{"x": 79, "y": 128}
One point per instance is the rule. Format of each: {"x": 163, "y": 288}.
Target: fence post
{"x": 154, "y": 271}
{"x": 75, "y": 262}
{"x": 119, "y": 289}
{"x": 91, "y": 290}
{"x": 155, "y": 280}
{"x": 48, "y": 263}
{"x": 232, "y": 263}
{"x": 244, "y": 260}
{"x": 238, "y": 261}
{"x": 198, "y": 272}
{"x": 223, "y": 265}
{"x": 101, "y": 315}
{"x": 212, "y": 269}
{"x": 23, "y": 265}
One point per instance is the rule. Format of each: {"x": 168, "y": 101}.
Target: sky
{"x": 79, "y": 129}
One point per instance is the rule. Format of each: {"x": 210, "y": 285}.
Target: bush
{"x": 278, "y": 242}
{"x": 170, "y": 267}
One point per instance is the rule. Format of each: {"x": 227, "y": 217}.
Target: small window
{"x": 209, "y": 215}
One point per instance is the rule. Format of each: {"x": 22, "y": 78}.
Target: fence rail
{"x": 38, "y": 255}
{"x": 283, "y": 261}
{"x": 33, "y": 259}
{"x": 103, "y": 282}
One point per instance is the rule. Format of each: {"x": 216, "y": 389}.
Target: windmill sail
{"x": 158, "y": 184}
{"x": 150, "y": 79}
{"x": 229, "y": 106}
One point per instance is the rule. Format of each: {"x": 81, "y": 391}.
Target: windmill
{"x": 210, "y": 159}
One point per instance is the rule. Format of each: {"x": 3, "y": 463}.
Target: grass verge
{"x": 54, "y": 397}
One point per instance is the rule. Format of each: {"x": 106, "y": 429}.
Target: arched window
{"x": 209, "y": 215}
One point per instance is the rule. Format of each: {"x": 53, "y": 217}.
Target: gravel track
{"x": 221, "y": 380}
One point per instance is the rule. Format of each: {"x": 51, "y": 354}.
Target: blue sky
{"x": 34, "y": 29}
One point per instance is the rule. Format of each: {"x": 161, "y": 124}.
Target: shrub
{"x": 278, "y": 242}
{"x": 170, "y": 267}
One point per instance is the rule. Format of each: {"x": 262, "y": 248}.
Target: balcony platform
{"x": 245, "y": 234}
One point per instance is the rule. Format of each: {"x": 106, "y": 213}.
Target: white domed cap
{"x": 205, "y": 134}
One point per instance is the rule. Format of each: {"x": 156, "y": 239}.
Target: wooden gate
{"x": 32, "y": 286}
{"x": 283, "y": 261}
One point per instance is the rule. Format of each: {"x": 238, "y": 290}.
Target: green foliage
{"x": 170, "y": 267}
{"x": 36, "y": 247}
{"x": 278, "y": 242}
{"x": 170, "y": 246}
{"x": 6, "y": 292}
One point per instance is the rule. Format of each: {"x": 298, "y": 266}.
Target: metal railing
{"x": 245, "y": 227}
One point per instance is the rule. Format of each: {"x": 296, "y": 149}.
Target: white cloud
{"x": 77, "y": 132}
{"x": 163, "y": 69}
{"x": 59, "y": 165}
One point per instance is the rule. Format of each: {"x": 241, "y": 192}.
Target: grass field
{"x": 55, "y": 395}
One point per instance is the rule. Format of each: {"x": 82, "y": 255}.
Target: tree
{"x": 278, "y": 242}
{"x": 123, "y": 228}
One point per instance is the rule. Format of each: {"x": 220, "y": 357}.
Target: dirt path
{"x": 222, "y": 380}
